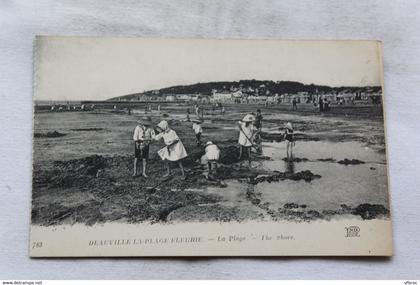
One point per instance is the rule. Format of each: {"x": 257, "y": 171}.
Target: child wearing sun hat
{"x": 142, "y": 137}
{"x": 198, "y": 130}
{"x": 246, "y": 135}
{"x": 174, "y": 149}
{"x": 212, "y": 156}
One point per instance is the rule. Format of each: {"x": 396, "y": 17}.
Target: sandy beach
{"x": 83, "y": 168}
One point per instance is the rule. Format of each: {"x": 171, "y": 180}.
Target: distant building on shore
{"x": 227, "y": 96}
{"x": 170, "y": 98}
{"x": 222, "y": 96}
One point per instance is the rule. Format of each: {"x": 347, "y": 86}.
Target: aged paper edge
{"x": 317, "y": 238}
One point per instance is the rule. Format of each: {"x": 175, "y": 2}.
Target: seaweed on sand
{"x": 53, "y": 134}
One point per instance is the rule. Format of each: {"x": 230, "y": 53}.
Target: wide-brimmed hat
{"x": 209, "y": 143}
{"x": 248, "y": 118}
{"x": 163, "y": 125}
{"x": 146, "y": 121}
{"x": 289, "y": 126}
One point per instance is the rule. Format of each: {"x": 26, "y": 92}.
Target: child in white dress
{"x": 198, "y": 130}
{"x": 174, "y": 149}
{"x": 212, "y": 155}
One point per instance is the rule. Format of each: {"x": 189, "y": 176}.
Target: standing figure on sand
{"x": 197, "y": 110}
{"x": 290, "y": 140}
{"x": 212, "y": 155}
{"x": 258, "y": 120}
{"x": 188, "y": 115}
{"x": 198, "y": 130}
{"x": 246, "y": 136}
{"x": 142, "y": 137}
{"x": 294, "y": 104}
{"x": 174, "y": 149}
{"x": 321, "y": 104}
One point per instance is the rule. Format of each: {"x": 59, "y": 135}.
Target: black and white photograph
{"x": 172, "y": 132}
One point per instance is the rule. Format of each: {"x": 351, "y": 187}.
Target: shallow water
{"x": 313, "y": 150}
{"x": 339, "y": 184}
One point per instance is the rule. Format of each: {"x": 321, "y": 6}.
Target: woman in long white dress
{"x": 174, "y": 149}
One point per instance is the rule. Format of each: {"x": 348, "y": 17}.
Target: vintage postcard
{"x": 202, "y": 147}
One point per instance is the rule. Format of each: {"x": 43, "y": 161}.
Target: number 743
{"x": 37, "y": 244}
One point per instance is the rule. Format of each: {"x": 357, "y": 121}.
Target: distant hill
{"x": 254, "y": 87}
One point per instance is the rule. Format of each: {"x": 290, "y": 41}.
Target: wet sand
{"x": 84, "y": 176}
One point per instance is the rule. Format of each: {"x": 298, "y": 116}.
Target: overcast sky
{"x": 71, "y": 68}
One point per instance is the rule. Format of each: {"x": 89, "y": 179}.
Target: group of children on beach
{"x": 174, "y": 150}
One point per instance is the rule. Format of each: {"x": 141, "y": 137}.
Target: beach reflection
{"x": 289, "y": 165}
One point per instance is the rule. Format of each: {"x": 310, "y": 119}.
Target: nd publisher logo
{"x": 352, "y": 231}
